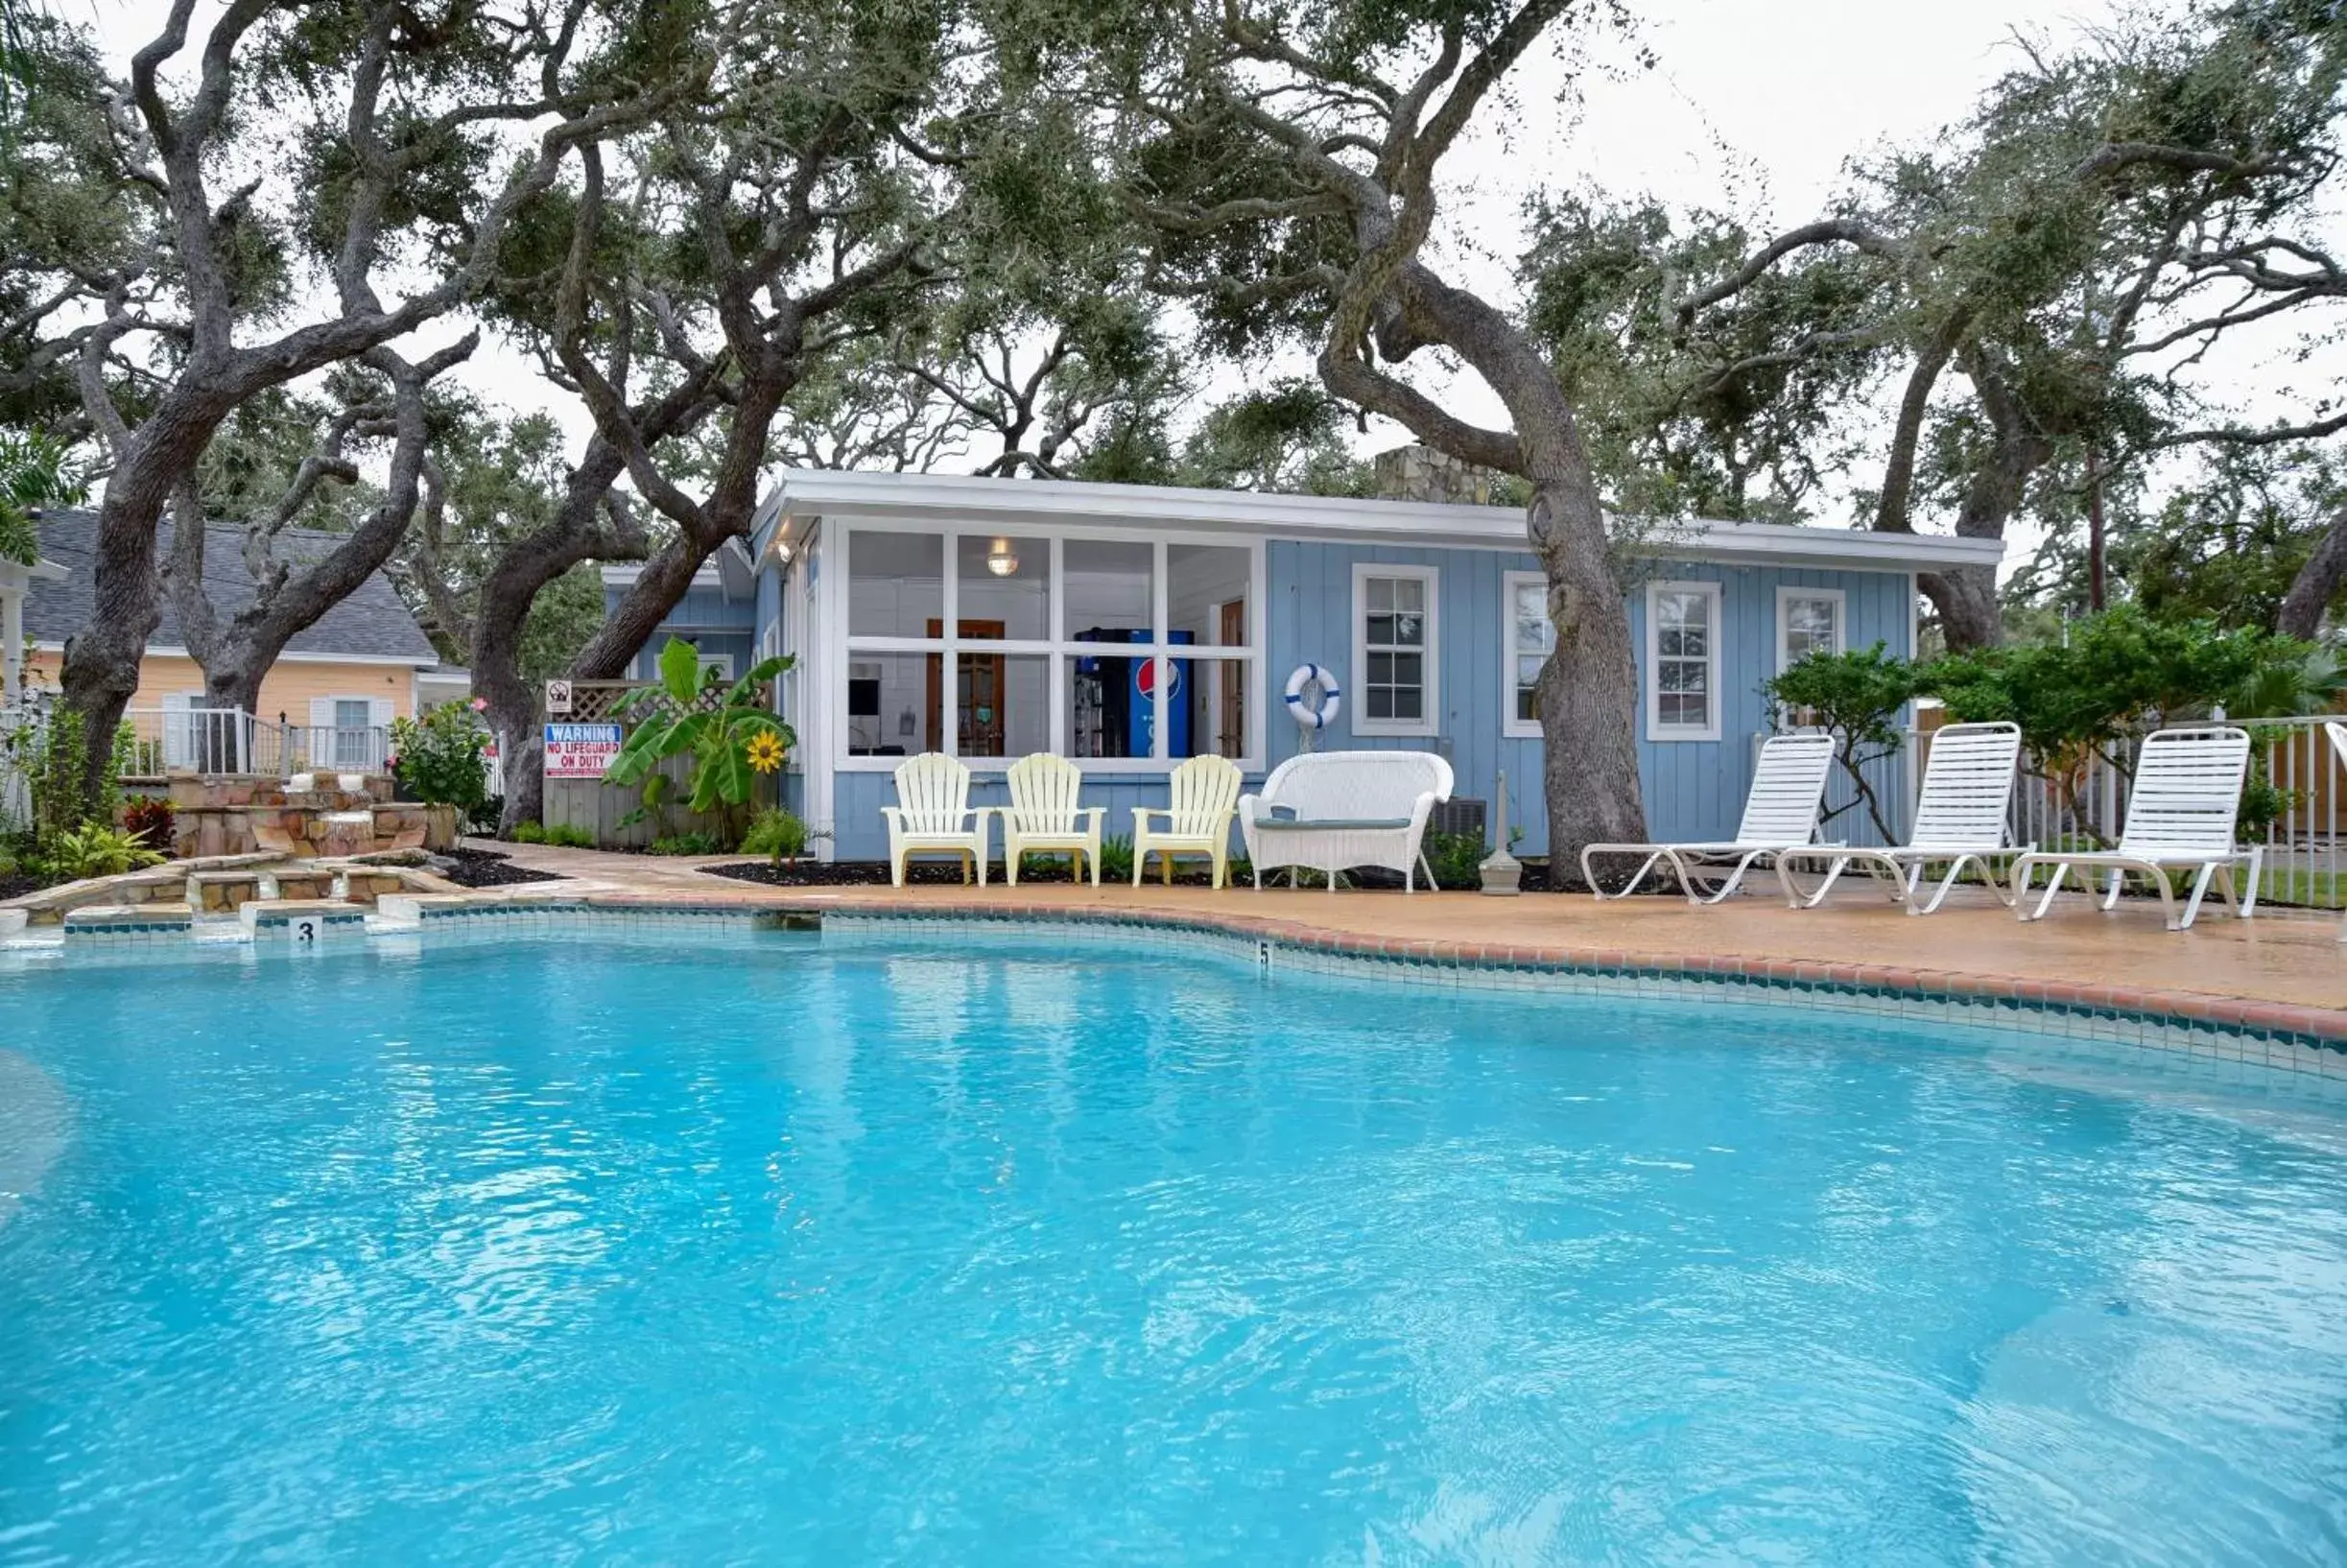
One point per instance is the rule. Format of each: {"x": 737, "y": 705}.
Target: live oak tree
{"x": 687, "y": 280}
{"x": 356, "y": 140}
{"x": 2051, "y": 254}
{"x": 291, "y": 590}
{"x": 490, "y": 477}
{"x": 1289, "y": 156}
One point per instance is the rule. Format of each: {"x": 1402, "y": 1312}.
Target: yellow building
{"x": 336, "y": 688}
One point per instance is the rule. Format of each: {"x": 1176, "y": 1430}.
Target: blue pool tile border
{"x": 2275, "y": 1035}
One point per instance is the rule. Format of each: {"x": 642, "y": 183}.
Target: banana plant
{"x": 732, "y": 742}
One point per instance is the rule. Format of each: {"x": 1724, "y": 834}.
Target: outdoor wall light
{"x": 1000, "y": 560}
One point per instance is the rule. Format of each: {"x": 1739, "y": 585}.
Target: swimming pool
{"x": 642, "y": 1247}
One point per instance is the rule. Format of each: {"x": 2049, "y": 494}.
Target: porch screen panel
{"x": 895, "y": 583}
{"x": 1207, "y": 609}
{"x": 889, "y": 711}
{"x": 1005, "y": 586}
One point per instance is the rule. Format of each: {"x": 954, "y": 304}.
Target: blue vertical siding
{"x": 718, "y": 624}
{"x": 1692, "y": 789}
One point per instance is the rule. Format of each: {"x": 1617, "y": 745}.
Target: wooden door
{"x": 978, "y": 693}
{"x": 1230, "y": 675}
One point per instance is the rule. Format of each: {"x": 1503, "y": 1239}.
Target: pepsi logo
{"x": 1145, "y": 679}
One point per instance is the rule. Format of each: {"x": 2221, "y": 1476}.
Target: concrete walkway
{"x": 2286, "y": 958}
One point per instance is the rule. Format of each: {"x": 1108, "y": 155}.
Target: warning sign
{"x": 580, "y": 751}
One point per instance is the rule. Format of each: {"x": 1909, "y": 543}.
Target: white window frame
{"x": 1511, "y": 727}
{"x": 1056, "y": 647}
{"x": 1656, "y": 730}
{"x": 722, "y": 663}
{"x": 1430, "y": 710}
{"x": 1786, "y": 594}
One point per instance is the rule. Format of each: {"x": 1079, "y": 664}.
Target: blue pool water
{"x": 774, "y": 1250}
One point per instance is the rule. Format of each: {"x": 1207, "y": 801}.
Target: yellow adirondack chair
{"x": 1204, "y": 795}
{"x": 933, "y": 815}
{"x": 1045, "y": 819}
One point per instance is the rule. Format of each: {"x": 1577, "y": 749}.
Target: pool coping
{"x": 2323, "y": 1030}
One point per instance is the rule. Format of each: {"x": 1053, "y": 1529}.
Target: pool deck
{"x": 2282, "y": 970}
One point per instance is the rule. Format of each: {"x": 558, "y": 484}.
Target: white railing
{"x": 20, "y": 724}
{"x": 159, "y": 741}
{"x": 339, "y": 748}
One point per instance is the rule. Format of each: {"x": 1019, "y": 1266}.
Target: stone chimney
{"x": 1420, "y": 474}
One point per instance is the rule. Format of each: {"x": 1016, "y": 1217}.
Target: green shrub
{"x": 1458, "y": 860}
{"x": 438, "y": 758}
{"x": 1117, "y": 858}
{"x": 95, "y": 849}
{"x": 1857, "y": 696}
{"x": 570, "y": 836}
{"x": 686, "y": 844}
{"x": 776, "y": 833}
{"x": 526, "y": 832}
{"x": 484, "y": 818}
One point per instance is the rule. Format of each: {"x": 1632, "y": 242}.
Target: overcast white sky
{"x": 1767, "y": 99}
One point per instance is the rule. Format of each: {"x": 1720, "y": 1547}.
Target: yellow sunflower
{"x": 765, "y": 751}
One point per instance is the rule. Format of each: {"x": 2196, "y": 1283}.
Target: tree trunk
{"x": 629, "y": 625}
{"x": 100, "y": 671}
{"x": 1966, "y": 600}
{"x": 1588, "y": 690}
{"x": 503, "y": 611}
{"x": 2316, "y": 584}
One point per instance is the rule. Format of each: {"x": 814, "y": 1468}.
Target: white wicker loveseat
{"x": 1334, "y": 809}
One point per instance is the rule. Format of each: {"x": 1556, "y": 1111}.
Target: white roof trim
{"x": 42, "y": 570}
{"x": 807, "y": 493}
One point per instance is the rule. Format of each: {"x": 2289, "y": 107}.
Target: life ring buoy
{"x": 1313, "y": 714}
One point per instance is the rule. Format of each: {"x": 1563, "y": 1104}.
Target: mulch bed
{"x": 487, "y": 869}
{"x": 15, "y": 885}
{"x": 874, "y": 873}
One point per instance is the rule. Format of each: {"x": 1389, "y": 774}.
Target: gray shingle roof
{"x": 372, "y": 622}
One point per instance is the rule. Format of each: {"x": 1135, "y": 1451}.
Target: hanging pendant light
{"x": 1000, "y": 560}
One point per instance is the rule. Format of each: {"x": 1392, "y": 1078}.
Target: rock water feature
{"x": 331, "y": 815}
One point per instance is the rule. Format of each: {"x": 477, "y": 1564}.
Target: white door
{"x": 179, "y": 732}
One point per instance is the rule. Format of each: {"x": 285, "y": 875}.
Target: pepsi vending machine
{"x": 1114, "y": 698}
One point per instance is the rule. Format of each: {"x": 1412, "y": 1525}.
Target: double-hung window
{"x": 1683, "y": 662}
{"x": 1808, "y": 621}
{"x": 1394, "y": 650}
{"x": 1528, "y": 638}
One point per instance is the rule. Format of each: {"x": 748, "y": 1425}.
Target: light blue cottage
{"x": 1127, "y": 627}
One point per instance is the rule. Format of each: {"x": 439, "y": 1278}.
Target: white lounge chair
{"x": 1960, "y": 821}
{"x": 2181, "y": 809}
{"x": 933, "y": 815}
{"x": 1780, "y": 814}
{"x": 1335, "y": 810}
{"x": 1045, "y": 819}
{"x": 1203, "y": 797}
